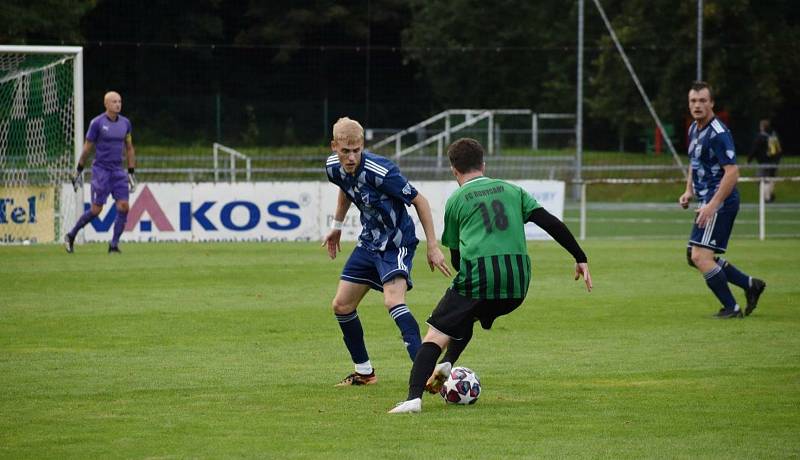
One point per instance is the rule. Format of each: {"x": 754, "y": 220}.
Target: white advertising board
{"x": 267, "y": 211}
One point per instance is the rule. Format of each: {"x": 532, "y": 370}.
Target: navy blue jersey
{"x": 381, "y": 193}
{"x": 710, "y": 149}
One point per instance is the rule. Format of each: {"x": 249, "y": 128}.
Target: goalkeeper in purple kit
{"x": 109, "y": 134}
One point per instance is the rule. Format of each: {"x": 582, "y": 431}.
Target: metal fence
{"x": 205, "y": 167}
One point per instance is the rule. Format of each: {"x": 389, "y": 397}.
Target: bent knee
{"x": 702, "y": 260}
{"x": 342, "y": 308}
{"x": 697, "y": 260}
{"x": 391, "y": 302}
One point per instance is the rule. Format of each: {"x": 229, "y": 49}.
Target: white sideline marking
{"x": 645, "y": 220}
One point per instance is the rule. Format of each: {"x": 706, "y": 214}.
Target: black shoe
{"x": 69, "y": 243}
{"x": 724, "y": 313}
{"x": 752, "y": 294}
{"x": 114, "y": 250}
{"x": 356, "y": 379}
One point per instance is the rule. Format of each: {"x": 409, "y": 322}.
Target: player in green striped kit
{"x": 489, "y": 238}
{"x": 485, "y": 231}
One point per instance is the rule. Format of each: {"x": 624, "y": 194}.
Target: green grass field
{"x": 231, "y": 350}
{"x": 664, "y": 220}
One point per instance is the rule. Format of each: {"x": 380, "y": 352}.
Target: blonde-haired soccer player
{"x": 383, "y": 256}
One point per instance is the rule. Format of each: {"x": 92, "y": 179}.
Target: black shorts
{"x": 454, "y": 314}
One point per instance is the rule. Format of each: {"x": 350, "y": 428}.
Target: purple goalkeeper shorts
{"x": 106, "y": 182}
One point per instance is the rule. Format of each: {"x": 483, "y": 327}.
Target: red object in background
{"x": 659, "y": 142}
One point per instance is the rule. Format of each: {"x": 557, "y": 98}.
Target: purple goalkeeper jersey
{"x": 108, "y": 137}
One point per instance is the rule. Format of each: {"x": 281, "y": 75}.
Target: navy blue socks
{"x": 718, "y": 283}
{"x": 408, "y": 328}
{"x": 733, "y": 274}
{"x": 353, "y": 336}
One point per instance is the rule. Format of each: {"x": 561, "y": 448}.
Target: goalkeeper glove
{"x": 132, "y": 184}
{"x": 77, "y": 179}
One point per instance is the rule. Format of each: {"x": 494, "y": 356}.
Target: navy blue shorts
{"x": 717, "y": 231}
{"x": 374, "y": 268}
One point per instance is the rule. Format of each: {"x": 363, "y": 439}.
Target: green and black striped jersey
{"x": 485, "y": 221}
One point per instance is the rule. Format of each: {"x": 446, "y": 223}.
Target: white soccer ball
{"x": 461, "y": 387}
{"x": 26, "y": 243}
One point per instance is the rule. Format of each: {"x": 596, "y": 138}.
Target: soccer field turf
{"x": 666, "y": 220}
{"x": 231, "y": 350}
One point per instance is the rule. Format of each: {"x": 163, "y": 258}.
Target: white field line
{"x": 646, "y": 220}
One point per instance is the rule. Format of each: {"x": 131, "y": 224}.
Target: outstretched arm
{"x": 555, "y": 228}
{"x": 77, "y": 179}
{"x": 435, "y": 256}
{"x": 87, "y": 149}
{"x": 130, "y": 154}
{"x": 688, "y": 193}
{"x": 332, "y": 239}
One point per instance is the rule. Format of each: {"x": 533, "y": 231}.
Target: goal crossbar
{"x": 77, "y": 82}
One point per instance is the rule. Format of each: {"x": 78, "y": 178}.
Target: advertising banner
{"x": 27, "y": 214}
{"x": 279, "y": 211}
{"x": 266, "y": 211}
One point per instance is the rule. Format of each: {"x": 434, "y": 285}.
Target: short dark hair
{"x": 699, "y": 84}
{"x": 466, "y": 155}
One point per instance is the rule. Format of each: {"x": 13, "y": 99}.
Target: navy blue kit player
{"x": 712, "y": 181}
{"x": 385, "y": 250}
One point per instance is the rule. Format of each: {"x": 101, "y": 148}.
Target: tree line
{"x": 280, "y": 72}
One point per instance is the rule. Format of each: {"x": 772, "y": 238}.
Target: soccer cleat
{"x": 752, "y": 294}
{"x": 408, "y": 407}
{"x": 356, "y": 379}
{"x": 114, "y": 250}
{"x": 724, "y": 313}
{"x": 69, "y": 243}
{"x": 439, "y": 376}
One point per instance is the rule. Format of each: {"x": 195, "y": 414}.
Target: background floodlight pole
{"x": 699, "y": 40}
{"x": 638, "y": 84}
{"x": 579, "y": 109}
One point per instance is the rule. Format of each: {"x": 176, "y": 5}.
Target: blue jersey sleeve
{"x": 722, "y": 147}
{"x": 397, "y": 186}
{"x": 332, "y": 169}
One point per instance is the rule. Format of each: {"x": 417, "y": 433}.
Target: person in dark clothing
{"x": 766, "y": 151}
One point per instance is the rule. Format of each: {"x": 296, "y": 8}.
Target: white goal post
{"x": 41, "y": 137}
